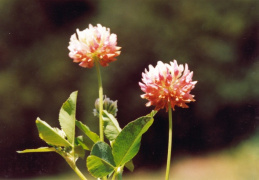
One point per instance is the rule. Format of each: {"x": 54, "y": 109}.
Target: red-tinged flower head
{"x": 167, "y": 84}
{"x": 93, "y": 44}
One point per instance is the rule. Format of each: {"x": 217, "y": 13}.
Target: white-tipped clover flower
{"x": 93, "y": 44}
{"x": 167, "y": 84}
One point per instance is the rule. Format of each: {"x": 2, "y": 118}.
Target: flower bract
{"x": 167, "y": 84}
{"x": 93, "y": 44}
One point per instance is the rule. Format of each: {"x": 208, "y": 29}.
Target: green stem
{"x": 79, "y": 173}
{"x": 100, "y": 100}
{"x": 118, "y": 173}
{"x": 71, "y": 162}
{"x": 100, "y": 86}
{"x": 170, "y": 137}
{"x": 114, "y": 176}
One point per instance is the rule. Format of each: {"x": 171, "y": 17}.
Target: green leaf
{"x": 41, "y": 149}
{"x": 93, "y": 136}
{"x": 67, "y": 117}
{"x": 50, "y": 135}
{"x": 79, "y": 151}
{"x": 85, "y": 142}
{"x": 111, "y": 126}
{"x": 103, "y": 150}
{"x": 100, "y": 163}
{"x": 152, "y": 114}
{"x": 112, "y": 130}
{"x": 129, "y": 165}
{"x": 127, "y": 143}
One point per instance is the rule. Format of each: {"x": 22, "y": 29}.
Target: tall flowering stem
{"x": 94, "y": 46}
{"x": 100, "y": 87}
{"x": 170, "y": 139}
{"x": 167, "y": 86}
{"x": 100, "y": 90}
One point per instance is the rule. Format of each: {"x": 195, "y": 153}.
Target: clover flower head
{"x": 93, "y": 44}
{"x": 167, "y": 84}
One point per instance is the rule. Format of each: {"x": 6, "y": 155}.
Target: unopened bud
{"x": 109, "y": 105}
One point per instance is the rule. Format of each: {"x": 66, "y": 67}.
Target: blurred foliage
{"x": 218, "y": 40}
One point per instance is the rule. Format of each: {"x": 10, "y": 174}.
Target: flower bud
{"x": 109, "y": 105}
